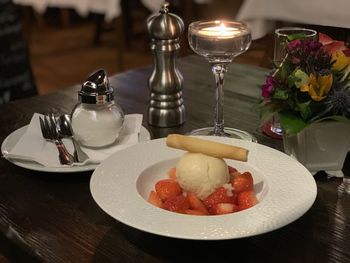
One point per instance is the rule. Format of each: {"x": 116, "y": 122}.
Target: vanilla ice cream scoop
{"x": 201, "y": 174}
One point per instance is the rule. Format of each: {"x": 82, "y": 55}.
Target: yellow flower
{"x": 318, "y": 87}
{"x": 341, "y": 61}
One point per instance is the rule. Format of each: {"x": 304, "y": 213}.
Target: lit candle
{"x": 220, "y": 31}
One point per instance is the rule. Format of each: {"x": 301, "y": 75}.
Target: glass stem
{"x": 219, "y": 71}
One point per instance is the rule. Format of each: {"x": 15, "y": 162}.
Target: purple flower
{"x": 268, "y": 87}
{"x": 294, "y": 44}
{"x": 312, "y": 46}
{"x": 295, "y": 60}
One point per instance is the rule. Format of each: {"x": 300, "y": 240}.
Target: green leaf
{"x": 280, "y": 94}
{"x": 291, "y": 81}
{"x": 305, "y": 109}
{"x": 284, "y": 70}
{"x": 296, "y": 36}
{"x": 291, "y": 123}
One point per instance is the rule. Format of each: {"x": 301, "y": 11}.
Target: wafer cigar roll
{"x": 215, "y": 149}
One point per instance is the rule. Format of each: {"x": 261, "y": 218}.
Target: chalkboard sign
{"x": 16, "y": 78}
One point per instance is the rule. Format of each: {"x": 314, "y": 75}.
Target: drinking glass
{"x": 282, "y": 37}
{"x": 220, "y": 42}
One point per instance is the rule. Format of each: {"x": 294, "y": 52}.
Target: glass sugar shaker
{"x": 97, "y": 120}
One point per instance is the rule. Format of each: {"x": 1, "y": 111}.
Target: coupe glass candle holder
{"x": 220, "y": 42}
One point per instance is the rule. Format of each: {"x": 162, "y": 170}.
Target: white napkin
{"x": 33, "y": 147}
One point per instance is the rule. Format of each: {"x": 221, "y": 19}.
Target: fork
{"x": 50, "y": 133}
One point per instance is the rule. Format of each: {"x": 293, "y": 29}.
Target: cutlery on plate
{"x": 65, "y": 131}
{"x": 50, "y": 133}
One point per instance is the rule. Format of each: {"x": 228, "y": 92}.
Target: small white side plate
{"x": 13, "y": 138}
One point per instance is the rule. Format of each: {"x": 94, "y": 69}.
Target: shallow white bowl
{"x": 121, "y": 185}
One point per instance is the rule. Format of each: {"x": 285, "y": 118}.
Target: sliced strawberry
{"x": 242, "y": 182}
{"x": 167, "y": 188}
{"x": 246, "y": 199}
{"x": 196, "y": 203}
{"x": 177, "y": 204}
{"x": 219, "y": 196}
{"x": 224, "y": 208}
{"x": 172, "y": 173}
{"x": 234, "y": 174}
{"x": 231, "y": 169}
{"x": 195, "y": 212}
{"x": 154, "y": 199}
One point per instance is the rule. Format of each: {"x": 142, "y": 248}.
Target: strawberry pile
{"x": 233, "y": 197}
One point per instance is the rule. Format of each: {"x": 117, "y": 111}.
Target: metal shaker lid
{"x": 165, "y": 25}
{"x": 96, "y": 89}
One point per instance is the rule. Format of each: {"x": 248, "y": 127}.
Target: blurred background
{"x": 65, "y": 45}
{"x": 46, "y": 45}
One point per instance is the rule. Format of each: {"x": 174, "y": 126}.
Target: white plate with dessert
{"x": 127, "y": 187}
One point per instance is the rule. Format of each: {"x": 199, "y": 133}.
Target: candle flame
{"x": 220, "y": 30}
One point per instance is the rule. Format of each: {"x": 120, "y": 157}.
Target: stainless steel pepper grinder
{"x": 166, "y": 105}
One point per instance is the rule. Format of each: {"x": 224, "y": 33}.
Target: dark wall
{"x": 16, "y": 78}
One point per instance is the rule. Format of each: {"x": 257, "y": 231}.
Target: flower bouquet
{"x": 311, "y": 85}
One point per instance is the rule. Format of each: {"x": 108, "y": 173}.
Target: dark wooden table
{"x": 53, "y": 218}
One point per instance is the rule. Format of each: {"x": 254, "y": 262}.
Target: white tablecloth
{"x": 261, "y": 15}
{"x": 110, "y": 8}
{"x": 154, "y": 5}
